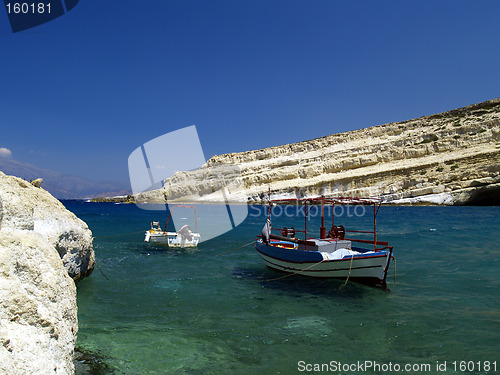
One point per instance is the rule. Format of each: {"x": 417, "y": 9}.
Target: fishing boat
{"x": 184, "y": 237}
{"x": 335, "y": 253}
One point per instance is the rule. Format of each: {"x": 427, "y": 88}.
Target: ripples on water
{"x": 190, "y": 311}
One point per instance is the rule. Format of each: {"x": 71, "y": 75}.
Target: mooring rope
{"x": 394, "y": 269}
{"x": 349, "y": 274}
{"x": 236, "y": 248}
{"x": 99, "y": 268}
{"x": 116, "y": 235}
{"x": 295, "y": 273}
{"x": 119, "y": 235}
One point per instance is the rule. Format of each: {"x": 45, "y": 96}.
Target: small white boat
{"x": 184, "y": 237}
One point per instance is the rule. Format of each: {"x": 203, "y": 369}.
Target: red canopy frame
{"x": 375, "y": 202}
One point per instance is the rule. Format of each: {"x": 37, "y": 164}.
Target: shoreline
{"x": 438, "y": 199}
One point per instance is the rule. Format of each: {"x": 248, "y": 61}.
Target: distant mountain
{"x": 64, "y": 186}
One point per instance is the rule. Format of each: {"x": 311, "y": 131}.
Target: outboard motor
{"x": 185, "y": 233}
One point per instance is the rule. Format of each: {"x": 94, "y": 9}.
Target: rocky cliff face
{"x": 26, "y": 207}
{"x": 43, "y": 247}
{"x": 447, "y": 158}
{"x": 38, "y": 313}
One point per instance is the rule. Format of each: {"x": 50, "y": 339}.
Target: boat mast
{"x": 269, "y": 202}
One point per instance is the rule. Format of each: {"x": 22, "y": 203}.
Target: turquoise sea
{"x": 167, "y": 311}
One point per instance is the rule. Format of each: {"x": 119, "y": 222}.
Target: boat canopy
{"x": 335, "y": 232}
{"x": 330, "y": 200}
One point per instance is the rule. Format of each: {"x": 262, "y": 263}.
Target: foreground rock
{"x": 38, "y": 312}
{"x": 447, "y": 158}
{"x": 43, "y": 249}
{"x": 26, "y": 207}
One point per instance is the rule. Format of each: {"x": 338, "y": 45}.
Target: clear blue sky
{"x": 80, "y": 93}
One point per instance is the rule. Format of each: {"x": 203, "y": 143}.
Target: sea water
{"x": 154, "y": 310}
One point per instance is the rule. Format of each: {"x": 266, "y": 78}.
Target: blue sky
{"x": 80, "y": 93}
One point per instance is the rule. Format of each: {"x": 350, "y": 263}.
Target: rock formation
{"x": 25, "y": 207}
{"x": 38, "y": 313}
{"x": 37, "y": 183}
{"x": 43, "y": 247}
{"x": 447, "y": 158}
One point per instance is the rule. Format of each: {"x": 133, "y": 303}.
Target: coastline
{"x": 459, "y": 197}
{"x": 450, "y": 158}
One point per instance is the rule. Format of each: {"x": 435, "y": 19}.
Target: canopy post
{"x": 322, "y": 230}
{"x": 269, "y": 202}
{"x": 333, "y": 214}
{"x": 374, "y": 227}
{"x": 305, "y": 222}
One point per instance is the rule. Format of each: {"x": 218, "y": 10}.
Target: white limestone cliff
{"x": 447, "y": 158}
{"x": 26, "y": 207}
{"x": 43, "y": 249}
{"x": 38, "y": 313}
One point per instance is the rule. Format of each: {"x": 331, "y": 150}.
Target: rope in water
{"x": 142, "y": 231}
{"x": 394, "y": 269}
{"x": 115, "y": 235}
{"x": 99, "y": 268}
{"x": 119, "y": 235}
{"x": 236, "y": 248}
{"x": 349, "y": 274}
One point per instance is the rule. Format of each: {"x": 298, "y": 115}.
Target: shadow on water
{"x": 89, "y": 362}
{"x": 299, "y": 285}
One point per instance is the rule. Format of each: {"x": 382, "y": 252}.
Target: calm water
{"x": 192, "y": 312}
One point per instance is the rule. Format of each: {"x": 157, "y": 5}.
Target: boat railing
{"x": 372, "y": 242}
{"x": 359, "y": 231}
{"x": 380, "y": 249}
{"x": 385, "y": 244}
{"x": 309, "y": 243}
{"x": 290, "y": 230}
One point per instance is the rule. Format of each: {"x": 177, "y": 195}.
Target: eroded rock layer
{"x": 43, "y": 249}
{"x": 26, "y": 207}
{"x": 447, "y": 158}
{"x": 38, "y": 313}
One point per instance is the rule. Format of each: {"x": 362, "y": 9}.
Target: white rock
{"x": 25, "y": 207}
{"x": 38, "y": 312}
{"x": 43, "y": 247}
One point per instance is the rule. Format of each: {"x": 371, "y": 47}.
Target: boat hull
{"x": 368, "y": 266}
{"x": 171, "y": 239}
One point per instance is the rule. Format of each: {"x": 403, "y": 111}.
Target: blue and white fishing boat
{"x": 332, "y": 255}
